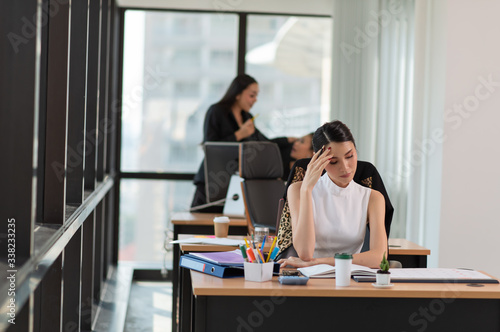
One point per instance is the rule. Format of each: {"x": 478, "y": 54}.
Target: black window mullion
{"x": 42, "y": 115}
{"x": 114, "y": 134}
{"x": 99, "y": 222}
{"x": 242, "y": 42}
{"x": 57, "y": 92}
{"x": 115, "y": 88}
{"x": 102, "y": 126}
{"x": 91, "y": 145}
{"x": 71, "y": 282}
{"x": 157, "y": 176}
{"x": 76, "y": 102}
{"x": 88, "y": 271}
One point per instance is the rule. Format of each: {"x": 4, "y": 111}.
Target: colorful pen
{"x": 260, "y": 255}
{"x": 243, "y": 252}
{"x": 250, "y": 254}
{"x": 262, "y": 245}
{"x": 271, "y": 249}
{"x": 274, "y": 253}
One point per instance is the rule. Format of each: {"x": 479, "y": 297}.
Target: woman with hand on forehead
{"x": 330, "y": 211}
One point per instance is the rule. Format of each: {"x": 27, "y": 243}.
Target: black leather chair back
{"x": 261, "y": 168}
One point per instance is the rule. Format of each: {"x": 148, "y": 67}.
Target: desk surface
{"x": 405, "y": 247}
{"x": 206, "y": 285}
{"x": 202, "y": 219}
{"x": 396, "y": 247}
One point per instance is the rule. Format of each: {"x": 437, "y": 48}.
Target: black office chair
{"x": 366, "y": 175}
{"x": 262, "y": 186}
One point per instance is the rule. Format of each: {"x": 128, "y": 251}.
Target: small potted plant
{"x": 383, "y": 275}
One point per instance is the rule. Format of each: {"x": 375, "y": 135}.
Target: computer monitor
{"x": 221, "y": 162}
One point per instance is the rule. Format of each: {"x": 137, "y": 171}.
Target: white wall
{"x": 470, "y": 225}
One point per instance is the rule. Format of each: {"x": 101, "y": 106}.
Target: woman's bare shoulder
{"x": 376, "y": 197}
{"x": 295, "y": 187}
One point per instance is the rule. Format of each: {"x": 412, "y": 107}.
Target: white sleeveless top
{"x": 340, "y": 217}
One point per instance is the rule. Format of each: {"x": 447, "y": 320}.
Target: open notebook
{"x": 431, "y": 275}
{"x": 328, "y": 271}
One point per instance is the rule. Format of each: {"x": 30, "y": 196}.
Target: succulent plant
{"x": 384, "y": 264}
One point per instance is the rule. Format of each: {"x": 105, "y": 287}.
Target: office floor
{"x": 149, "y": 307}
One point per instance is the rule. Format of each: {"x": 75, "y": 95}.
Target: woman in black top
{"x": 230, "y": 120}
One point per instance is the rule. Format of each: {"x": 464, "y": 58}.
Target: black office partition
{"x": 57, "y": 182}
{"x": 18, "y": 119}
{"x": 19, "y": 109}
{"x": 48, "y": 299}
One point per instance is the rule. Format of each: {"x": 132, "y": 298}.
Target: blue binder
{"x": 214, "y": 269}
{"x": 221, "y": 271}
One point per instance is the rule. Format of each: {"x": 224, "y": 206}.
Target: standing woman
{"x": 229, "y": 120}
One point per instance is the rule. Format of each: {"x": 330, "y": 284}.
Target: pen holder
{"x": 259, "y": 272}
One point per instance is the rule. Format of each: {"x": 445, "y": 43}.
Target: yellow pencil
{"x": 248, "y": 246}
{"x": 271, "y": 250}
{"x": 255, "y": 116}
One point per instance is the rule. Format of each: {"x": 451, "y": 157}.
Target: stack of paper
{"x": 213, "y": 241}
{"x": 433, "y": 275}
{"x": 221, "y": 257}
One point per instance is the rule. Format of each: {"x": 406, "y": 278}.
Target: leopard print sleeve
{"x": 285, "y": 229}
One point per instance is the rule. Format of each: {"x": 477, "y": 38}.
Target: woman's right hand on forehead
{"x": 315, "y": 167}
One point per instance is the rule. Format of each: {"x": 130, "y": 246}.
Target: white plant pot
{"x": 383, "y": 278}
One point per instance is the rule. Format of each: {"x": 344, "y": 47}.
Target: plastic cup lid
{"x": 343, "y": 256}
{"x": 221, "y": 219}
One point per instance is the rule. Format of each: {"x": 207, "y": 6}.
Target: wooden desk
{"x": 407, "y": 252}
{"x": 203, "y": 223}
{"x": 238, "y": 305}
{"x": 195, "y": 223}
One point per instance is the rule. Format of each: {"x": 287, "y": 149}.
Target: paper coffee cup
{"x": 221, "y": 226}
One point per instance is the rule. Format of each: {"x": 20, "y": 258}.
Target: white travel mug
{"x": 343, "y": 269}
